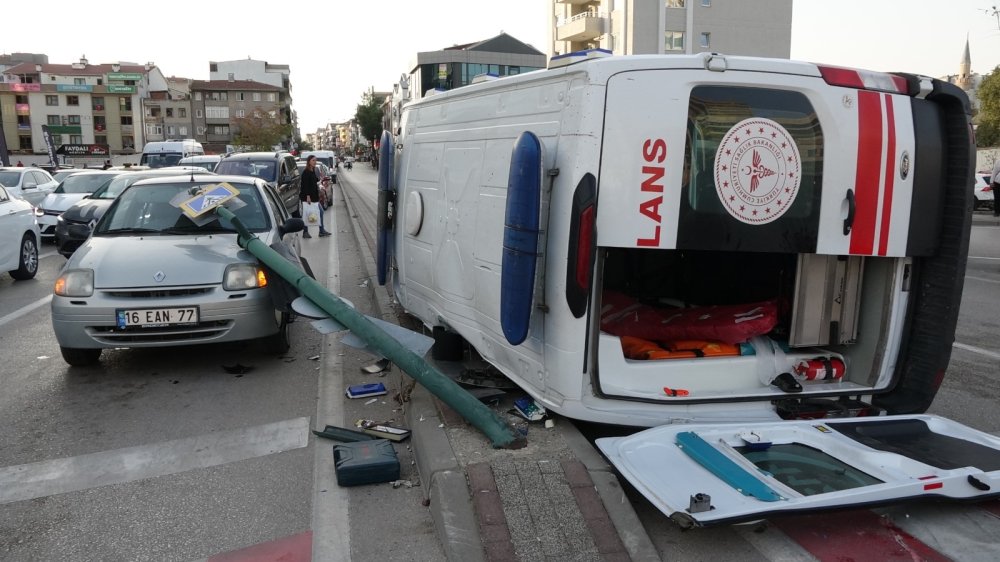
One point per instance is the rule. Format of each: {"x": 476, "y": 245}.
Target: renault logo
{"x": 159, "y": 276}
{"x": 904, "y": 165}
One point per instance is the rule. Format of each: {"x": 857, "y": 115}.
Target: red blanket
{"x": 622, "y": 315}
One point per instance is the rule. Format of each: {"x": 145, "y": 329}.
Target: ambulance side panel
{"x": 455, "y": 159}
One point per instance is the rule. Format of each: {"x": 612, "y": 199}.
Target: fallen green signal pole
{"x": 470, "y": 408}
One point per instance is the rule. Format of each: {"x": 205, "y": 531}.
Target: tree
{"x": 989, "y": 109}
{"x": 369, "y": 115}
{"x": 259, "y": 130}
{"x": 305, "y": 146}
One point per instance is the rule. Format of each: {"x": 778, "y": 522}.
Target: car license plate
{"x": 156, "y": 317}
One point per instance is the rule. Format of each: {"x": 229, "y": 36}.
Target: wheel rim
{"x": 29, "y": 255}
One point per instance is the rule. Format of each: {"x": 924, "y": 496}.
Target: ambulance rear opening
{"x": 770, "y": 237}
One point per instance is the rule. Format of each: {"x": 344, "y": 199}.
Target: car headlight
{"x": 75, "y": 283}
{"x": 39, "y": 212}
{"x": 242, "y": 276}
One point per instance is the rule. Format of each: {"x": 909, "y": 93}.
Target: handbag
{"x": 310, "y": 212}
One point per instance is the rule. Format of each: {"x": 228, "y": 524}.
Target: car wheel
{"x": 28, "y": 263}
{"x": 80, "y": 357}
{"x": 278, "y": 343}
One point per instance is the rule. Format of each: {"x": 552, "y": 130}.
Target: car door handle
{"x": 849, "y": 221}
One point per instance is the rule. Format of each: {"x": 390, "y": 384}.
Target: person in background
{"x": 19, "y": 164}
{"x": 310, "y": 193}
{"x": 994, "y": 186}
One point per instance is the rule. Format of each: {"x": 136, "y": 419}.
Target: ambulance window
{"x": 773, "y": 115}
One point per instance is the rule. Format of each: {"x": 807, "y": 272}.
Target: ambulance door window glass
{"x": 715, "y": 110}
{"x": 806, "y": 470}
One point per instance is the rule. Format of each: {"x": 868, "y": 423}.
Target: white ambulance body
{"x": 841, "y": 197}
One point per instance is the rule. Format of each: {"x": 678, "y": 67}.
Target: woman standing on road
{"x": 310, "y": 193}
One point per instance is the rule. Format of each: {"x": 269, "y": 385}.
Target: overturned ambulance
{"x": 653, "y": 240}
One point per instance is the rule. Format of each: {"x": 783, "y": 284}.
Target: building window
{"x": 673, "y": 41}
{"x": 75, "y": 139}
{"x": 170, "y": 112}
{"x": 72, "y": 100}
{"x": 73, "y": 119}
{"x": 154, "y": 112}
{"x": 706, "y": 3}
{"x": 100, "y": 81}
{"x": 154, "y": 129}
{"x": 213, "y": 67}
{"x": 201, "y": 130}
{"x": 20, "y": 99}
{"x": 183, "y": 112}
{"x": 217, "y": 96}
{"x": 80, "y": 81}
{"x": 240, "y": 113}
{"x": 171, "y": 130}
{"x": 256, "y": 96}
{"x": 97, "y": 103}
{"x": 126, "y": 120}
{"x": 128, "y": 142}
{"x": 706, "y": 40}
{"x": 51, "y": 100}
{"x": 100, "y": 123}
{"x": 54, "y": 120}
{"x": 23, "y": 121}
{"x": 675, "y": 3}
{"x": 272, "y": 97}
{"x": 240, "y": 96}
{"x": 197, "y": 113}
{"x": 25, "y": 142}
{"x": 216, "y": 112}
{"x": 197, "y": 96}
{"x": 100, "y": 139}
{"x": 125, "y": 103}
{"x": 57, "y": 139}
{"x": 182, "y": 131}
{"x": 218, "y": 129}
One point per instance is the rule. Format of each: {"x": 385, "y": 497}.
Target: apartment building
{"x": 219, "y": 104}
{"x": 167, "y": 112}
{"x": 634, "y": 27}
{"x": 82, "y": 104}
{"x": 277, "y": 75}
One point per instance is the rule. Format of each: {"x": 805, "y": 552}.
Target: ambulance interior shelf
{"x": 724, "y": 324}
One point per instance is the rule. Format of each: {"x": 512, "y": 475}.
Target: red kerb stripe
{"x": 855, "y": 535}
{"x": 866, "y": 182}
{"x": 890, "y": 166}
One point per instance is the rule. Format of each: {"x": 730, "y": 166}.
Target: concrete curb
{"x": 441, "y": 475}
{"x": 630, "y": 530}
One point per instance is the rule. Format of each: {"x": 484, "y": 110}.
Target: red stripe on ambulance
{"x": 867, "y": 179}
{"x": 890, "y": 158}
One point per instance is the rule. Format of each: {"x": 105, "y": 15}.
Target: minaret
{"x": 964, "y": 80}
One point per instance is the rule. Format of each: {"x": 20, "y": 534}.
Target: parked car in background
{"x": 30, "y": 184}
{"x": 69, "y": 191}
{"x": 64, "y": 173}
{"x": 206, "y": 161}
{"x": 278, "y": 169}
{"x": 983, "y": 191}
{"x": 73, "y": 226}
{"x": 149, "y": 276}
{"x": 19, "y": 237}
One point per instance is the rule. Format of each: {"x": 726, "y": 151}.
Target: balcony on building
{"x": 99, "y": 128}
{"x": 210, "y": 137}
{"x": 581, "y": 27}
{"x": 98, "y": 107}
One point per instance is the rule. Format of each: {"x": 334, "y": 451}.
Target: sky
{"x": 339, "y": 49}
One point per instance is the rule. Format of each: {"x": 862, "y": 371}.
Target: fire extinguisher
{"x": 820, "y": 369}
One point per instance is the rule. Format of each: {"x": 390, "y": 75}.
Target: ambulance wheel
{"x": 278, "y": 343}
{"x": 448, "y": 346}
{"x": 80, "y": 357}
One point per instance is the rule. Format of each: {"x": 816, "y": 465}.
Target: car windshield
{"x": 161, "y": 160}
{"x": 10, "y": 179}
{"x": 148, "y": 209}
{"x": 263, "y": 169}
{"x": 83, "y": 183}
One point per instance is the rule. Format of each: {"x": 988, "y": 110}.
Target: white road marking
{"x": 330, "y": 519}
{"x": 72, "y": 474}
{"x": 25, "y": 310}
{"x": 983, "y": 279}
{"x": 979, "y": 350}
{"x": 982, "y": 258}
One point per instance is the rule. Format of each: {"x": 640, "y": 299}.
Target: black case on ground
{"x": 365, "y": 462}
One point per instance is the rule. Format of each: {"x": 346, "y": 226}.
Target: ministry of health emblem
{"x": 757, "y": 171}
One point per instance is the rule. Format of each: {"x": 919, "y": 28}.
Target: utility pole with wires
{"x": 995, "y": 13}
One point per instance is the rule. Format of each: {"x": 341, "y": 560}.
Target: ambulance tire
{"x": 448, "y": 346}
{"x": 935, "y": 297}
{"x": 383, "y": 216}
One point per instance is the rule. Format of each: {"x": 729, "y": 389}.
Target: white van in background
{"x": 169, "y": 153}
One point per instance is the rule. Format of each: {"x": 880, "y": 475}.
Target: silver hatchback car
{"x": 149, "y": 276}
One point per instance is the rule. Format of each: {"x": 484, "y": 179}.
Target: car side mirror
{"x": 291, "y": 225}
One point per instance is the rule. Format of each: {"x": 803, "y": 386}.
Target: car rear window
{"x": 263, "y": 169}
{"x": 9, "y": 179}
{"x": 84, "y": 183}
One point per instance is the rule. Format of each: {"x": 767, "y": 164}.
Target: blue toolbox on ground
{"x": 365, "y": 462}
